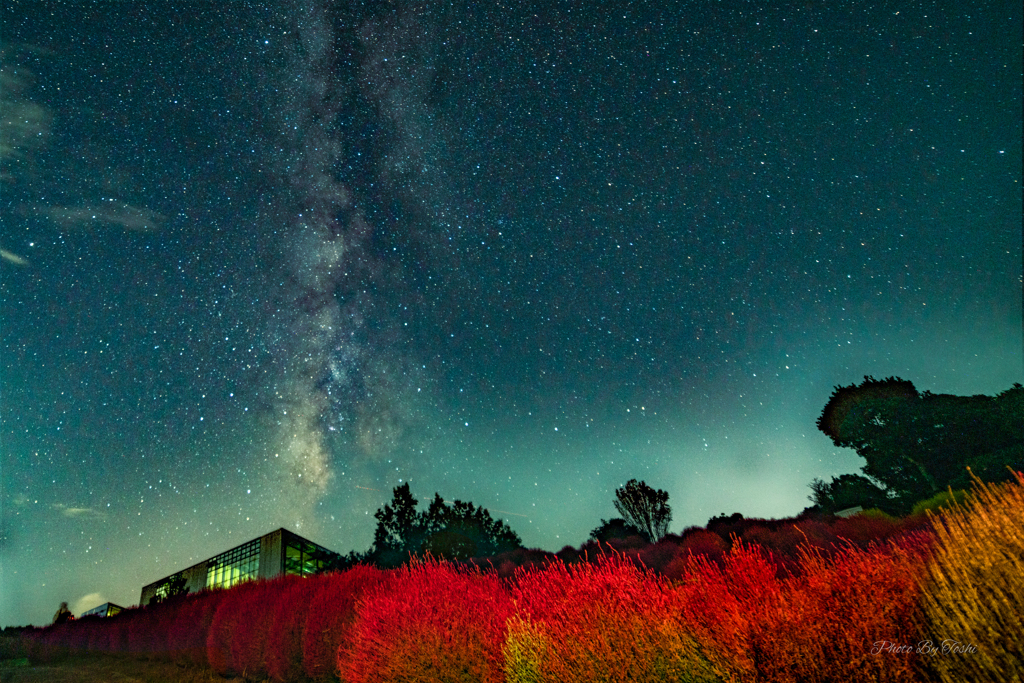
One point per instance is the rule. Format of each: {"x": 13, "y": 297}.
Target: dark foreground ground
{"x": 101, "y": 668}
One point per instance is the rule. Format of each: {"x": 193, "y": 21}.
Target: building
{"x": 279, "y": 552}
{"x": 107, "y": 609}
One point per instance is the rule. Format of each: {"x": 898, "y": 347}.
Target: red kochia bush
{"x": 225, "y": 625}
{"x": 817, "y": 625}
{"x": 284, "y": 641}
{"x": 117, "y": 631}
{"x": 46, "y": 644}
{"x": 604, "y": 621}
{"x": 188, "y": 634}
{"x": 147, "y": 634}
{"x": 432, "y": 622}
{"x": 252, "y": 628}
{"x": 332, "y": 611}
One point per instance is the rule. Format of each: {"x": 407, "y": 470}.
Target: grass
{"x": 105, "y": 668}
{"x": 975, "y": 589}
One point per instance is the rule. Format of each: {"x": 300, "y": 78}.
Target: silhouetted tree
{"x": 850, "y": 490}
{"x": 395, "y": 535}
{"x": 456, "y": 532}
{"x": 63, "y": 614}
{"x": 918, "y": 444}
{"x": 462, "y": 530}
{"x": 615, "y": 528}
{"x": 644, "y": 508}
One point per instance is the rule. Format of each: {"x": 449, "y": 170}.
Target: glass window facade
{"x": 107, "y": 609}
{"x": 163, "y": 591}
{"x": 303, "y": 558}
{"x": 236, "y": 565}
{"x": 273, "y": 554}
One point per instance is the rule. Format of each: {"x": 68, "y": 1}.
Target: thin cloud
{"x": 11, "y": 257}
{"x": 127, "y": 216}
{"x": 77, "y": 513}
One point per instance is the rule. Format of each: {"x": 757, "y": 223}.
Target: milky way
{"x": 345, "y": 390}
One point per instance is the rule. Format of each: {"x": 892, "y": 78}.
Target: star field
{"x": 262, "y": 266}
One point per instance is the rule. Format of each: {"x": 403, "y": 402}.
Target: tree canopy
{"x": 644, "y": 509}
{"x": 917, "y": 444}
{"x": 851, "y": 490}
{"x": 456, "y": 532}
{"x": 615, "y": 528}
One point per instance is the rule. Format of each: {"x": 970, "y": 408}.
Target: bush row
{"x": 850, "y": 611}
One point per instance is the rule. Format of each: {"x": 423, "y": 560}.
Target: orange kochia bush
{"x": 820, "y": 623}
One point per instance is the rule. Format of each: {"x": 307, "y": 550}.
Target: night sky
{"x": 262, "y": 266}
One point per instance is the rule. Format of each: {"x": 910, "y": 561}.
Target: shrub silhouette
{"x": 975, "y": 585}
{"x": 697, "y": 543}
{"x": 433, "y": 621}
{"x": 147, "y": 632}
{"x": 941, "y": 500}
{"x": 506, "y": 563}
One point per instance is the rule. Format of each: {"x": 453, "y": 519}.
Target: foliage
{"x": 13, "y": 643}
{"x": 615, "y": 528}
{"x": 397, "y": 529}
{"x": 252, "y": 628}
{"x": 288, "y": 628}
{"x": 433, "y": 622}
{"x": 190, "y": 627}
{"x": 644, "y": 509}
{"x": 332, "y": 613}
{"x": 177, "y": 587}
{"x": 226, "y": 623}
{"x": 147, "y": 631}
{"x": 815, "y": 624}
{"x": 940, "y": 501}
{"x": 850, "y": 490}
{"x": 814, "y": 599}
{"x": 600, "y": 622}
{"x": 917, "y": 444}
{"x": 698, "y": 543}
{"x": 458, "y": 531}
{"x": 526, "y": 648}
{"x": 462, "y": 530}
{"x": 975, "y": 585}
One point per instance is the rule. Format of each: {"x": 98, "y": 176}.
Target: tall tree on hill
{"x": 917, "y": 444}
{"x": 644, "y": 509}
{"x": 397, "y": 529}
